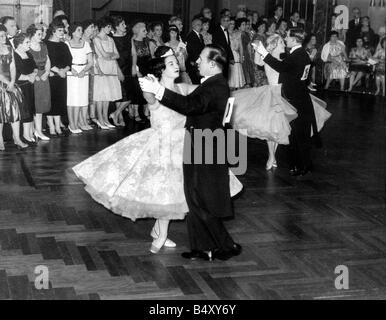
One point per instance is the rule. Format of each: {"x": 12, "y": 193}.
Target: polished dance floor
{"x": 294, "y": 232}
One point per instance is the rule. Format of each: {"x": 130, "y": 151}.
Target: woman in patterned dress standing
{"x": 107, "y": 87}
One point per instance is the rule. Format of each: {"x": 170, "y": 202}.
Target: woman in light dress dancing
{"x": 264, "y": 113}
{"x": 142, "y": 175}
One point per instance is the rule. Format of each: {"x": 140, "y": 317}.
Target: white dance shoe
{"x": 168, "y": 243}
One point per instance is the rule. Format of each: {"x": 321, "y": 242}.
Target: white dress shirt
{"x": 295, "y": 48}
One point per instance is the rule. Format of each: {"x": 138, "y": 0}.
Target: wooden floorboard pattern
{"x": 294, "y": 233}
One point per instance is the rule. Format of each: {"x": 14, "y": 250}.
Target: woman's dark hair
{"x": 157, "y": 65}
{"x": 240, "y": 21}
{"x": 105, "y": 22}
{"x": 73, "y": 27}
{"x": 156, "y": 24}
{"x": 308, "y": 38}
{"x": 116, "y": 21}
{"x": 54, "y": 26}
{"x": 218, "y": 55}
{"x": 3, "y": 28}
{"x": 59, "y": 19}
{"x": 334, "y": 33}
{"x": 170, "y": 29}
{"x": 359, "y": 38}
{"x": 32, "y": 29}
{"x": 87, "y": 23}
{"x": 19, "y": 39}
{"x": 205, "y": 20}
{"x": 280, "y": 22}
{"x": 260, "y": 23}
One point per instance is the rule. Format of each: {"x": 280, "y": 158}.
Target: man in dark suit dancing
{"x": 294, "y": 71}
{"x": 222, "y": 39}
{"x": 207, "y": 188}
{"x": 194, "y": 47}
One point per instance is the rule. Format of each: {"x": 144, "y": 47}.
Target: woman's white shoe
{"x": 168, "y": 243}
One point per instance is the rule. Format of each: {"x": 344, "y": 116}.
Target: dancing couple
{"x": 144, "y": 175}
{"x": 284, "y": 112}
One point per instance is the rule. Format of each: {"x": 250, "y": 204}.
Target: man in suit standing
{"x": 221, "y": 38}
{"x": 195, "y": 44}
{"x": 10, "y": 24}
{"x": 294, "y": 71}
{"x": 278, "y": 15}
{"x": 295, "y": 21}
{"x": 354, "y": 28}
{"x": 207, "y": 187}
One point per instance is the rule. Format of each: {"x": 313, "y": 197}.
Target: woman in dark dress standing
{"x": 26, "y": 75}
{"x": 142, "y": 58}
{"x": 61, "y": 62}
{"x": 124, "y": 46}
{"x": 42, "y": 85}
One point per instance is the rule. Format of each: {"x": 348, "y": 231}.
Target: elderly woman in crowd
{"x": 380, "y": 67}
{"x": 359, "y": 66}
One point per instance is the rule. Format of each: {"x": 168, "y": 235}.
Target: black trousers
{"x": 205, "y": 188}
{"x": 300, "y": 143}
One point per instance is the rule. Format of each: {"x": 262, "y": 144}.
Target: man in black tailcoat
{"x": 207, "y": 187}
{"x": 194, "y": 46}
{"x": 221, "y": 37}
{"x": 294, "y": 71}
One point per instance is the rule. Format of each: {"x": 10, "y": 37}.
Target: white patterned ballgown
{"x": 142, "y": 175}
{"x": 266, "y": 115}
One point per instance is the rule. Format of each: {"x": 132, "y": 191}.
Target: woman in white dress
{"x": 264, "y": 113}
{"x": 107, "y": 86}
{"x": 142, "y": 175}
{"x": 78, "y": 78}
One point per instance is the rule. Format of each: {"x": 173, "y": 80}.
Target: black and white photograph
{"x": 180, "y": 152}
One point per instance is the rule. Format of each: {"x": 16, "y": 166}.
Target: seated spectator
{"x": 282, "y": 28}
{"x": 294, "y": 22}
{"x": 271, "y": 28}
{"x": 255, "y": 20}
{"x": 310, "y": 46}
{"x": 277, "y": 16}
{"x": 382, "y": 35}
{"x": 335, "y": 57}
{"x": 354, "y": 28}
{"x": 380, "y": 67}
{"x": 368, "y": 35}
{"x": 359, "y": 63}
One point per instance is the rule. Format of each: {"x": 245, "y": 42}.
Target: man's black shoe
{"x": 198, "y": 255}
{"x": 228, "y": 254}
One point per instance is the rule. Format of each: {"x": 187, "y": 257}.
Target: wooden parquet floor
{"x": 294, "y": 233}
